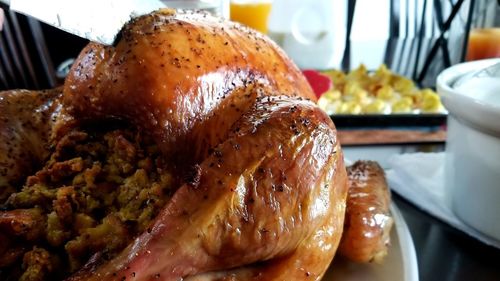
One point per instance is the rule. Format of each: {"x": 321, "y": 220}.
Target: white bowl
{"x": 472, "y": 168}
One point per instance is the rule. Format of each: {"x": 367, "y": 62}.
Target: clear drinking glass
{"x": 484, "y": 37}
{"x": 253, "y": 13}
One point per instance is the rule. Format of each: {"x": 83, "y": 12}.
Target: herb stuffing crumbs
{"x": 97, "y": 192}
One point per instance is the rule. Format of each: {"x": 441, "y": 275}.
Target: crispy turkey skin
{"x": 260, "y": 183}
{"x": 268, "y": 197}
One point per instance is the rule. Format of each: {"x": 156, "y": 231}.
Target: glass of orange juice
{"x": 484, "y": 43}
{"x": 253, "y": 13}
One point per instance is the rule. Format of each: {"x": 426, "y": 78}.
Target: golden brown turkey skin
{"x": 26, "y": 121}
{"x": 272, "y": 192}
{"x": 173, "y": 73}
{"x": 266, "y": 196}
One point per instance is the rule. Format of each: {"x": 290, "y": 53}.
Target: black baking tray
{"x": 389, "y": 120}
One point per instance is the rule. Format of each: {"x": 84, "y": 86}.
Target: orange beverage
{"x": 483, "y": 43}
{"x": 251, "y": 13}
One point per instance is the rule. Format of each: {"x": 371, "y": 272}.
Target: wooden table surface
{"x": 389, "y": 136}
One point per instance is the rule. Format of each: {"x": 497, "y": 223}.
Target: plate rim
{"x": 408, "y": 253}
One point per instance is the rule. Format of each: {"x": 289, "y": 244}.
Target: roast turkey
{"x": 259, "y": 179}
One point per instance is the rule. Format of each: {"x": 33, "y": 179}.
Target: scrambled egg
{"x": 379, "y": 92}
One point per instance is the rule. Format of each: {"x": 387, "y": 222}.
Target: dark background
{"x": 31, "y": 51}
{"x": 446, "y": 254}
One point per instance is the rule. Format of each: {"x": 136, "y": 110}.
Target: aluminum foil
{"x": 96, "y": 20}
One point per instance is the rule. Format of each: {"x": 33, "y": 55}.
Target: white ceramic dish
{"x": 472, "y": 166}
{"x": 399, "y": 265}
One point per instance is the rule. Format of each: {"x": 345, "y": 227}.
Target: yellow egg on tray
{"x": 330, "y": 101}
{"x": 349, "y": 107}
{"x": 379, "y": 92}
{"x": 382, "y": 75}
{"x": 430, "y": 101}
{"x": 385, "y": 93}
{"x": 403, "y": 105}
{"x": 338, "y": 77}
{"x": 376, "y": 107}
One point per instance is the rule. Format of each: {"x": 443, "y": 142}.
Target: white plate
{"x": 399, "y": 265}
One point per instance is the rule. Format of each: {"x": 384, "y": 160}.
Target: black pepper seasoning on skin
{"x": 220, "y": 63}
{"x": 218, "y": 153}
